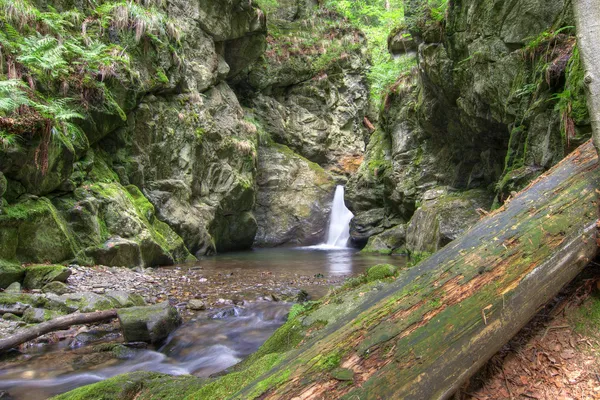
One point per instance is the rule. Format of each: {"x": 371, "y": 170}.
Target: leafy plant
{"x": 52, "y": 72}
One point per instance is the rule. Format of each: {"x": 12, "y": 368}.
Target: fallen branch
{"x": 54, "y": 325}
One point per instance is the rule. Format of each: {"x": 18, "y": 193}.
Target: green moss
{"x": 586, "y": 318}
{"x": 380, "y": 271}
{"x": 330, "y": 361}
{"x": 226, "y": 386}
{"x": 143, "y": 206}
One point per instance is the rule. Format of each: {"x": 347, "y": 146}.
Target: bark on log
{"x": 54, "y": 325}
{"x": 587, "y": 17}
{"x": 425, "y": 334}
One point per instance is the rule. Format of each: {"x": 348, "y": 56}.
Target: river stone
{"x": 196, "y": 305}
{"x": 150, "y": 323}
{"x": 10, "y": 273}
{"x": 124, "y": 299}
{"x": 14, "y": 287}
{"x": 36, "y": 276}
{"x": 56, "y": 287}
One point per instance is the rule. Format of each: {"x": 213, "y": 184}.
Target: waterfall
{"x": 339, "y": 224}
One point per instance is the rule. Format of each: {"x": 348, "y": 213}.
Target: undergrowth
{"x": 57, "y": 67}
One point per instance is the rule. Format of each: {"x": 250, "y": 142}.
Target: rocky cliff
{"x": 496, "y": 99}
{"x": 165, "y": 164}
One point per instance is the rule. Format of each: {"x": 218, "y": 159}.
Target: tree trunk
{"x": 425, "y": 334}
{"x": 587, "y": 17}
{"x": 54, "y": 325}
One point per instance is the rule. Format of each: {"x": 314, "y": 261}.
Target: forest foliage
{"x": 57, "y": 67}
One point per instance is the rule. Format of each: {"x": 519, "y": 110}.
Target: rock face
{"x": 294, "y": 198}
{"x": 496, "y": 99}
{"x": 309, "y": 91}
{"x": 174, "y": 173}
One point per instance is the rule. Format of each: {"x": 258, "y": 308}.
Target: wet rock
{"x": 14, "y": 287}
{"x": 196, "y": 305}
{"x": 36, "y": 276}
{"x": 227, "y": 313}
{"x": 442, "y": 219}
{"x": 33, "y": 231}
{"x": 117, "y": 252}
{"x": 402, "y": 42}
{"x": 150, "y": 323}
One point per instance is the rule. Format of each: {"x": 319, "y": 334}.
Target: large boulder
{"x": 33, "y": 231}
{"x": 194, "y": 157}
{"x": 150, "y": 323}
{"x": 10, "y": 273}
{"x": 442, "y": 218}
{"x": 294, "y": 198}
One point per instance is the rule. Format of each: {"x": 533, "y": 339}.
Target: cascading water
{"x": 339, "y": 224}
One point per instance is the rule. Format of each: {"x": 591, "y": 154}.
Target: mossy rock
{"x": 88, "y": 302}
{"x": 124, "y": 299}
{"x": 36, "y": 276}
{"x": 149, "y": 324}
{"x": 381, "y": 271}
{"x": 35, "y": 232}
{"x": 56, "y": 287}
{"x": 37, "y": 315}
{"x": 10, "y": 273}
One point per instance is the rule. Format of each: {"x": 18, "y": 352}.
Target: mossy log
{"x": 587, "y": 16}
{"x": 423, "y": 335}
{"x": 55, "y": 325}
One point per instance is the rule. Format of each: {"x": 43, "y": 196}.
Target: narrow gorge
{"x": 308, "y": 168}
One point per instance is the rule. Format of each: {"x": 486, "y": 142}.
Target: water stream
{"x": 213, "y": 340}
{"x": 338, "y": 233}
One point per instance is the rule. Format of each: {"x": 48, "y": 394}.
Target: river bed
{"x": 239, "y": 288}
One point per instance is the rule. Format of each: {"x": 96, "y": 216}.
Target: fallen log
{"x": 587, "y": 17}
{"x": 425, "y": 334}
{"x": 422, "y": 335}
{"x": 55, "y": 325}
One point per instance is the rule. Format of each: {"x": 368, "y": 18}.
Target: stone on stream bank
{"x": 149, "y": 324}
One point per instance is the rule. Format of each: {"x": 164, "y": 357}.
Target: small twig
{"x": 554, "y": 328}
